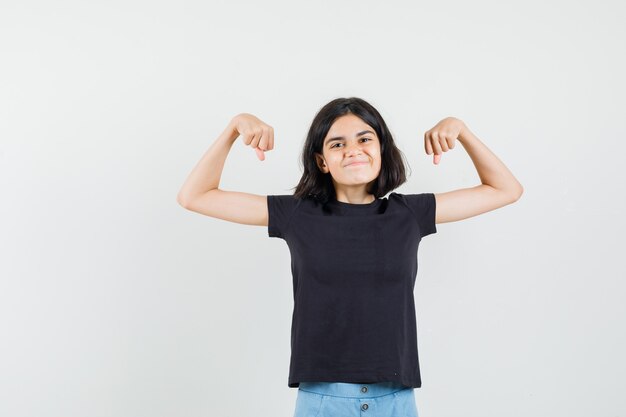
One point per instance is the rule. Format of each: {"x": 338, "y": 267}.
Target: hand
{"x": 442, "y": 137}
{"x": 254, "y": 133}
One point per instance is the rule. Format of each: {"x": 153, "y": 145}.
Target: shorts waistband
{"x": 353, "y": 390}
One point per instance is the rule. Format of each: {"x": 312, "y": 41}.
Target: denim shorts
{"x": 343, "y": 399}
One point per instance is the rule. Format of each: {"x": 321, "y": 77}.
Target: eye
{"x": 340, "y": 143}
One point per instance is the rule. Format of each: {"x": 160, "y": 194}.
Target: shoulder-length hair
{"x": 318, "y": 185}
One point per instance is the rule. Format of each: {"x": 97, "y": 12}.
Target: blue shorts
{"x": 343, "y": 399}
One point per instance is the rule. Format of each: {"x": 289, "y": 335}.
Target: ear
{"x": 319, "y": 159}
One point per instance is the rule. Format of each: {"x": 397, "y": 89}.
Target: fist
{"x": 255, "y": 133}
{"x": 442, "y": 136}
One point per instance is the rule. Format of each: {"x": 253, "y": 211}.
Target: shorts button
{"x": 364, "y": 407}
{"x": 363, "y": 389}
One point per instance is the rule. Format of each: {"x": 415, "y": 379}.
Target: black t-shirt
{"x": 354, "y": 268}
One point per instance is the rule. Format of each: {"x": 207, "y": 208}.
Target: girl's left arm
{"x": 498, "y": 186}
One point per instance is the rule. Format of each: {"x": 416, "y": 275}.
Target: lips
{"x": 357, "y": 163}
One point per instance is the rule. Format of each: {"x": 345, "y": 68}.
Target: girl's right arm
{"x": 200, "y": 192}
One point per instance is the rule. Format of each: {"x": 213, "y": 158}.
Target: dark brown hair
{"x": 318, "y": 185}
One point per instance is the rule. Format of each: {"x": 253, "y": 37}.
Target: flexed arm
{"x": 498, "y": 186}
{"x": 200, "y": 192}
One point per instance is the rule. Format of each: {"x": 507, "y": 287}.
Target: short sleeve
{"x": 423, "y": 207}
{"x": 280, "y": 209}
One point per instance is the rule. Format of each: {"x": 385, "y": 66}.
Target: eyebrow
{"x": 343, "y": 137}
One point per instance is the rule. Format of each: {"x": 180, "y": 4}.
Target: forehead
{"x": 348, "y": 124}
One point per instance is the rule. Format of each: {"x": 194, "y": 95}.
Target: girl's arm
{"x": 200, "y": 192}
{"x": 498, "y": 186}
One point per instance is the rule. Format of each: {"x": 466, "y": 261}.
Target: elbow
{"x": 182, "y": 201}
{"x": 517, "y": 194}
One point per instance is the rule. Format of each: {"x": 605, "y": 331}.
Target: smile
{"x": 356, "y": 163}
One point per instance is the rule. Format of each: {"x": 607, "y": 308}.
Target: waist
{"x": 349, "y": 389}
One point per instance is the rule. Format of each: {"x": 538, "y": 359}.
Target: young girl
{"x": 353, "y": 251}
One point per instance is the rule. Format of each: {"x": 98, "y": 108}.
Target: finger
{"x": 451, "y": 143}
{"x": 271, "y": 138}
{"x": 260, "y": 154}
{"x": 444, "y": 143}
{"x": 256, "y": 139}
{"x": 436, "y": 148}
{"x": 247, "y": 138}
{"x": 264, "y": 141}
{"x": 427, "y": 147}
{"x": 435, "y": 144}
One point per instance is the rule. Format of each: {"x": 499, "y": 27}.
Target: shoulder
{"x": 413, "y": 199}
{"x": 284, "y": 200}
{"x": 281, "y": 208}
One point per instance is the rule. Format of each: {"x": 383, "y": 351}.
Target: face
{"x": 350, "y": 153}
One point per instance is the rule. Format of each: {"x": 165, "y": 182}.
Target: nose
{"x": 350, "y": 149}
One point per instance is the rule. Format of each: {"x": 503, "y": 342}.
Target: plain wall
{"x": 116, "y": 301}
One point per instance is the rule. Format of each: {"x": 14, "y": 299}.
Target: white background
{"x": 116, "y": 301}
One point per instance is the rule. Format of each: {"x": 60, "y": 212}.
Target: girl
{"x": 353, "y": 251}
